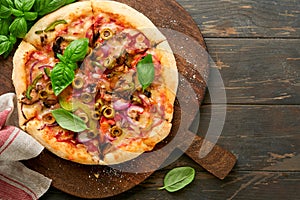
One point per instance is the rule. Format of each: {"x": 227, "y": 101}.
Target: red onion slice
{"x": 121, "y": 105}
{"x": 83, "y": 137}
{"x": 31, "y": 70}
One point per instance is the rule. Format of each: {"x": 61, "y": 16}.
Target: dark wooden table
{"x": 256, "y": 47}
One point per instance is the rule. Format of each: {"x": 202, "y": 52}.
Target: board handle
{"x": 218, "y": 161}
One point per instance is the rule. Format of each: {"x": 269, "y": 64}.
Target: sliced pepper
{"x": 52, "y": 26}
{"x": 33, "y": 85}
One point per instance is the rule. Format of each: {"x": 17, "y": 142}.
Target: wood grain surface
{"x": 255, "y": 45}
{"x": 245, "y": 19}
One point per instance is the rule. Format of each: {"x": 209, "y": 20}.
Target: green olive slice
{"x": 109, "y": 113}
{"x": 78, "y": 83}
{"x": 106, "y": 33}
{"x": 84, "y": 117}
{"x": 86, "y": 97}
{"x": 49, "y": 88}
{"x": 43, "y": 94}
{"x": 115, "y": 132}
{"x": 109, "y": 62}
{"x": 96, "y": 115}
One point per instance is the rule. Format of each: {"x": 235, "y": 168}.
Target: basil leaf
{"x": 77, "y": 50}
{"x": 4, "y": 26}
{"x": 70, "y": 1}
{"x": 24, "y": 5}
{"x": 73, "y": 66}
{"x": 12, "y": 38}
{"x": 18, "y": 27}
{"x": 68, "y": 120}
{"x": 30, "y": 16}
{"x": 4, "y": 44}
{"x": 7, "y": 3}
{"x": 62, "y": 58}
{"x": 17, "y": 13}
{"x": 178, "y": 178}
{"x": 44, "y": 7}
{"x": 4, "y": 12}
{"x": 61, "y": 77}
{"x": 145, "y": 70}
{"x": 13, "y": 41}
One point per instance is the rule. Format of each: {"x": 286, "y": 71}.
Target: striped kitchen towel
{"x": 16, "y": 180}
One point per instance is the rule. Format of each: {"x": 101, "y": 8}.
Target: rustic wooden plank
{"x": 264, "y": 71}
{"x": 240, "y": 18}
{"x": 243, "y": 185}
{"x": 262, "y": 137}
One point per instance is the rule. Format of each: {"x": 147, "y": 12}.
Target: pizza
{"x": 96, "y": 83}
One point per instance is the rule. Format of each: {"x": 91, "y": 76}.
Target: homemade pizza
{"x": 96, "y": 83}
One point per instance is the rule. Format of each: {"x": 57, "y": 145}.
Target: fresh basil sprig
{"x": 145, "y": 71}
{"x": 68, "y": 120}
{"x": 178, "y": 178}
{"x": 63, "y": 73}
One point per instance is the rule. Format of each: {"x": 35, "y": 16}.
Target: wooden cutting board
{"x": 102, "y": 181}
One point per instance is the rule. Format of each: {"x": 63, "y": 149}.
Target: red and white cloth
{"x": 16, "y": 180}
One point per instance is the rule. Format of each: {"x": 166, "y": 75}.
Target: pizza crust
{"x": 169, "y": 75}
{"x": 19, "y": 76}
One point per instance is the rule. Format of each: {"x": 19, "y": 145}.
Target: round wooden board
{"x": 102, "y": 181}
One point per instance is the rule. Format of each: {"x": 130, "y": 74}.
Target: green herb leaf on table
{"x": 17, "y": 13}
{"x": 68, "y": 120}
{"x": 13, "y": 41}
{"x": 4, "y": 26}
{"x": 4, "y": 44}
{"x": 145, "y": 71}
{"x": 178, "y": 178}
{"x": 76, "y": 50}
{"x": 18, "y": 27}
{"x": 30, "y": 16}
{"x": 5, "y": 12}
{"x": 61, "y": 77}
{"x": 7, "y": 3}
{"x": 24, "y": 5}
